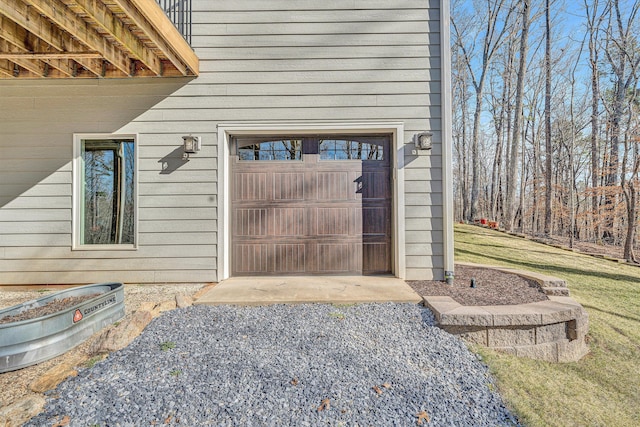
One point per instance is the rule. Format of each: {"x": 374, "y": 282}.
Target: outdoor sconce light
{"x": 423, "y": 140}
{"x": 191, "y": 145}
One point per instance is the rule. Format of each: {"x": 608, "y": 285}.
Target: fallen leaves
{"x": 171, "y": 419}
{"x": 324, "y": 405}
{"x": 378, "y": 390}
{"x": 422, "y": 416}
{"x": 64, "y": 422}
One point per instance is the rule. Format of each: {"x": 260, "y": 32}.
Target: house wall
{"x": 261, "y": 61}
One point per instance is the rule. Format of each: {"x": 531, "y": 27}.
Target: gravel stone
{"x": 302, "y": 365}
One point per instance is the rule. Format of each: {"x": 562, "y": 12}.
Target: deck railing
{"x": 179, "y": 12}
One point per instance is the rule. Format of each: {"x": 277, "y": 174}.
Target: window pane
{"x": 288, "y": 149}
{"x": 108, "y": 196}
{"x": 344, "y": 149}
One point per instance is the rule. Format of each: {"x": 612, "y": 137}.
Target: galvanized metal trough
{"x": 27, "y": 342}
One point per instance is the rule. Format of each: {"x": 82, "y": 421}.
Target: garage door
{"x": 302, "y": 205}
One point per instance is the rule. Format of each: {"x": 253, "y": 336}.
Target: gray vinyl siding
{"x": 261, "y": 61}
{"x": 177, "y": 228}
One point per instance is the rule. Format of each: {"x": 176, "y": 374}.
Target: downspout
{"x": 447, "y": 155}
{"x": 122, "y": 193}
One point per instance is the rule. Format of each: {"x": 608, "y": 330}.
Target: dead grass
{"x": 603, "y": 389}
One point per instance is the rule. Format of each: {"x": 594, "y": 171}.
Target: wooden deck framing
{"x": 90, "y": 38}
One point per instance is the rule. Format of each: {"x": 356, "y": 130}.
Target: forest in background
{"x": 546, "y": 124}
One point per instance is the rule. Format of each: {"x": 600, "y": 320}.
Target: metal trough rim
{"x": 27, "y": 305}
{"x": 27, "y": 342}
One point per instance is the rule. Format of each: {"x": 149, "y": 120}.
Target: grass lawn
{"x": 603, "y": 389}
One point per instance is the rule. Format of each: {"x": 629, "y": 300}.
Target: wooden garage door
{"x": 302, "y": 205}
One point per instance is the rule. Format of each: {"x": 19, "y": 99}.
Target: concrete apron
{"x": 309, "y": 289}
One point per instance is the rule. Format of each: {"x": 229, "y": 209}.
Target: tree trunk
{"x": 534, "y": 168}
{"x": 513, "y": 157}
{"x": 613, "y": 163}
{"x": 572, "y": 179}
{"x": 465, "y": 166}
{"x": 496, "y": 175}
{"x": 631, "y": 199}
{"x": 547, "y": 122}
{"x": 595, "y": 126}
{"x": 475, "y": 163}
{"x": 524, "y": 175}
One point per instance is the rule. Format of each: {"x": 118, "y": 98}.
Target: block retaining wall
{"x": 553, "y": 330}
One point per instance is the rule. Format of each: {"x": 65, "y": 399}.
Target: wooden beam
{"x": 24, "y": 42}
{"x": 110, "y": 23}
{"x": 13, "y": 33}
{"x": 18, "y": 71}
{"x": 92, "y": 65}
{"x": 147, "y": 15}
{"x": 54, "y": 39}
{"x": 65, "y": 66}
{"x": 27, "y": 25}
{"x": 31, "y": 21}
{"x": 74, "y": 25}
{"x": 35, "y": 66}
{"x": 50, "y": 55}
{"x": 157, "y": 17}
{"x": 6, "y": 69}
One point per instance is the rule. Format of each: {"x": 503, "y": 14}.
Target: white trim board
{"x": 76, "y": 221}
{"x": 226, "y": 130}
{"x": 447, "y": 149}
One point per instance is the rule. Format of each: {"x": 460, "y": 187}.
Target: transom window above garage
{"x": 272, "y": 149}
{"x": 352, "y": 149}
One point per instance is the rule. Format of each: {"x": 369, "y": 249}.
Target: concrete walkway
{"x": 309, "y": 289}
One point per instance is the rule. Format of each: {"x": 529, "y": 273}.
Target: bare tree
{"x": 623, "y": 61}
{"x": 460, "y": 90}
{"x": 497, "y": 23}
{"x": 500, "y": 95}
{"x": 536, "y": 117}
{"x": 517, "y": 121}
{"x": 547, "y": 121}
{"x": 594, "y": 21}
{"x": 629, "y": 179}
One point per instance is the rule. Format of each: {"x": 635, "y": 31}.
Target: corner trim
{"x": 447, "y": 151}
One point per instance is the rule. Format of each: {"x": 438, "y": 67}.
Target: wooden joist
{"x": 33, "y": 66}
{"x": 18, "y": 43}
{"x": 99, "y": 38}
{"x": 50, "y": 55}
{"x": 73, "y": 24}
{"x": 159, "y": 33}
{"x": 116, "y": 29}
{"x": 6, "y": 69}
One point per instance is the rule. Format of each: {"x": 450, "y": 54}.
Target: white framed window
{"x": 365, "y": 148}
{"x": 268, "y": 149}
{"x": 105, "y": 192}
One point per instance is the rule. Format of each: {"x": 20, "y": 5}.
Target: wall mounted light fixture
{"x": 191, "y": 145}
{"x": 423, "y": 140}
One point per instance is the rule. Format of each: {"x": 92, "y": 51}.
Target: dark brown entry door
{"x": 302, "y": 205}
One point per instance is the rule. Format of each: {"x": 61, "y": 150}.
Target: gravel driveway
{"x": 300, "y": 365}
